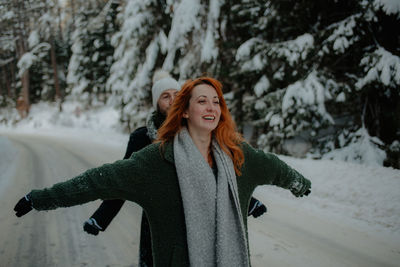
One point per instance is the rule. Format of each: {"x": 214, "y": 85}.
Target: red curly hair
{"x": 225, "y": 133}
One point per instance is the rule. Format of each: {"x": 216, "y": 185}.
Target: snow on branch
{"x": 252, "y": 52}
{"x": 245, "y": 49}
{"x": 29, "y": 58}
{"x": 308, "y": 92}
{"x": 293, "y": 50}
{"x": 250, "y": 57}
{"x": 136, "y": 20}
{"x": 343, "y": 36}
{"x": 5, "y": 61}
{"x": 210, "y": 51}
{"x": 33, "y": 39}
{"x": 388, "y": 6}
{"x": 262, "y": 86}
{"x": 25, "y": 62}
{"x": 380, "y": 66}
{"x": 361, "y": 148}
{"x": 183, "y": 22}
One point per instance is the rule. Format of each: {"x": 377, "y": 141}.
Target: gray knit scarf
{"x": 214, "y": 225}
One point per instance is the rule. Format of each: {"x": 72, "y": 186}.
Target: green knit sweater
{"x": 149, "y": 179}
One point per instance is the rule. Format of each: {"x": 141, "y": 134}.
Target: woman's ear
{"x": 185, "y": 115}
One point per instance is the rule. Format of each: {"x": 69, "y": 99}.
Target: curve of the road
{"x": 56, "y": 238}
{"x": 286, "y": 236}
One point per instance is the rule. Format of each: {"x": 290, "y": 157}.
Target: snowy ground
{"x": 366, "y": 197}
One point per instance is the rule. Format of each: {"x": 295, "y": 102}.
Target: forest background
{"x": 305, "y": 78}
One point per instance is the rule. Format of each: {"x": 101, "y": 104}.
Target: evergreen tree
{"x": 7, "y": 55}
{"x": 136, "y": 45}
{"x": 38, "y": 57}
{"x": 91, "y": 59}
{"x": 305, "y": 63}
{"x": 301, "y": 77}
{"x": 180, "y": 37}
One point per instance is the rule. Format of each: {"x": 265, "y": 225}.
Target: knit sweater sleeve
{"x": 123, "y": 179}
{"x": 267, "y": 168}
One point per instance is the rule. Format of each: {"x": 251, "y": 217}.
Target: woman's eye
{"x": 202, "y": 101}
{"x": 216, "y": 102}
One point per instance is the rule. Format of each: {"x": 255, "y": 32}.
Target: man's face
{"x": 166, "y": 99}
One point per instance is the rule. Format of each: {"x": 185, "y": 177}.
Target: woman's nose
{"x": 210, "y": 106}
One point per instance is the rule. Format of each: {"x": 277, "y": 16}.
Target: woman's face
{"x": 204, "y": 110}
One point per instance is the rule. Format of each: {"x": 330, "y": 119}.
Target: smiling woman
{"x": 194, "y": 183}
{"x": 201, "y": 108}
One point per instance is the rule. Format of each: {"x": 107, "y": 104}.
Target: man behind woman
{"x": 164, "y": 90}
{"x": 194, "y": 183}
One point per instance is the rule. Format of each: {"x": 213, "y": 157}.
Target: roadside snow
{"x": 8, "y": 157}
{"x": 358, "y": 194}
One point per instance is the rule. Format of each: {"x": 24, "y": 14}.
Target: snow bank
{"x": 8, "y": 156}
{"x": 73, "y": 115}
{"x": 97, "y": 125}
{"x": 360, "y": 195}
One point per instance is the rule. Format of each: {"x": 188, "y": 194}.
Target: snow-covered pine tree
{"x": 7, "y": 55}
{"x": 303, "y": 60}
{"x": 193, "y": 40}
{"x": 137, "y": 45}
{"x": 41, "y": 59}
{"x": 91, "y": 59}
{"x": 178, "y": 36}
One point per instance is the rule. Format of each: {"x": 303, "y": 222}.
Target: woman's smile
{"x": 209, "y": 117}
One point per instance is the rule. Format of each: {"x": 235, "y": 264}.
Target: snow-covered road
{"x": 56, "y": 238}
{"x": 290, "y": 234}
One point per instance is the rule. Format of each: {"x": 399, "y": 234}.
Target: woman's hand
{"x": 301, "y": 189}
{"x": 23, "y": 206}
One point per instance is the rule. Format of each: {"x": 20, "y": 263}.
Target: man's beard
{"x": 159, "y": 117}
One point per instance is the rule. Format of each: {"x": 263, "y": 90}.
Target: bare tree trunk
{"x": 54, "y": 65}
{"x": 73, "y": 14}
{"x": 3, "y": 85}
{"x": 60, "y": 34}
{"x": 7, "y": 81}
{"x": 25, "y": 93}
{"x": 12, "y": 70}
{"x": 23, "y": 105}
{"x": 60, "y": 29}
{"x": 24, "y": 81}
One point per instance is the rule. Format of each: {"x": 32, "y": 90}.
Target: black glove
{"x": 91, "y": 227}
{"x": 23, "y": 206}
{"x": 302, "y": 190}
{"x": 256, "y": 208}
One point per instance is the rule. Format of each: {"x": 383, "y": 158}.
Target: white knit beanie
{"x": 162, "y": 81}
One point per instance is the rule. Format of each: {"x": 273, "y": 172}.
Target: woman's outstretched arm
{"x": 106, "y": 182}
{"x": 269, "y": 169}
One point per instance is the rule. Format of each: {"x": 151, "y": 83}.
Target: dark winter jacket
{"x": 110, "y": 208}
{"x": 149, "y": 179}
